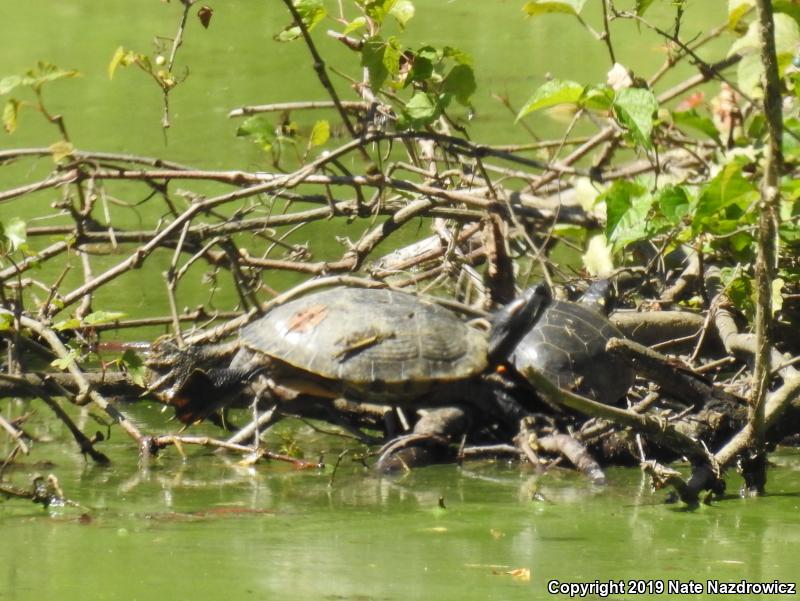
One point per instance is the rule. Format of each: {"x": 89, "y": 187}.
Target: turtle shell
{"x": 568, "y": 345}
{"x": 387, "y": 344}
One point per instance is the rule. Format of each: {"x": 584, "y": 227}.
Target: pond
{"x": 208, "y": 527}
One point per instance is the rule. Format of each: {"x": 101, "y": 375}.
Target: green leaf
{"x": 402, "y": 11}
{"x": 550, "y": 94}
{"x": 696, "y": 121}
{"x": 65, "y": 362}
{"x": 534, "y": 8}
{"x": 67, "y": 324}
{"x": 787, "y": 40}
{"x": 320, "y": 133}
{"x": 134, "y": 366}
{"x": 736, "y": 10}
{"x": 11, "y": 115}
{"x": 460, "y": 82}
{"x": 459, "y": 56}
{"x": 61, "y": 150}
{"x": 642, "y": 6}
{"x": 9, "y": 83}
{"x": 116, "y": 61}
{"x": 597, "y": 98}
{"x": 101, "y": 317}
{"x": 790, "y": 7}
{"x": 311, "y": 13}
{"x": 381, "y": 59}
{"x": 259, "y": 129}
{"x": 421, "y": 107}
{"x": 422, "y": 65}
{"x": 634, "y": 224}
{"x": 739, "y": 289}
{"x": 378, "y": 9}
{"x": 256, "y": 125}
{"x": 728, "y": 189}
{"x": 628, "y": 205}
{"x": 46, "y": 72}
{"x": 6, "y": 320}
{"x": 673, "y": 202}
{"x": 13, "y": 233}
{"x": 635, "y": 108}
{"x": 354, "y": 25}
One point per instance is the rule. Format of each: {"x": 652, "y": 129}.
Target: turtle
{"x": 360, "y": 343}
{"x": 568, "y": 345}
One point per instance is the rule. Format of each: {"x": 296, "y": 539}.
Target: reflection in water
{"x": 208, "y": 528}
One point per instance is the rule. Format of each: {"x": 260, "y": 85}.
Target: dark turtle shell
{"x": 568, "y": 345}
{"x": 390, "y": 345}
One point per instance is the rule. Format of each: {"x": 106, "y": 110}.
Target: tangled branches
{"x": 412, "y": 203}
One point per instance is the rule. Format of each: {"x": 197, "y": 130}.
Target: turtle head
{"x": 188, "y": 379}
{"x": 600, "y": 296}
{"x": 512, "y": 322}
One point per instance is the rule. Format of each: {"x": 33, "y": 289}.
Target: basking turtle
{"x": 360, "y": 343}
{"x": 568, "y": 345}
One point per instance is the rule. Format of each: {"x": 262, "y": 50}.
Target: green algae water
{"x": 209, "y": 528}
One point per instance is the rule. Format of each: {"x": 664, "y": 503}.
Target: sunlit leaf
{"x": 402, "y": 11}
{"x": 101, "y": 317}
{"x": 67, "y": 324}
{"x": 255, "y": 125}
{"x": 787, "y": 40}
{"x": 598, "y": 258}
{"x": 311, "y": 13}
{"x": 259, "y": 129}
{"x": 539, "y": 7}
{"x": 119, "y": 54}
{"x": 355, "y": 25}
{"x": 421, "y": 108}
{"x": 65, "y": 362}
{"x": 46, "y": 72}
{"x": 11, "y": 115}
{"x": 6, "y": 320}
{"x": 320, "y": 133}
{"x": 673, "y": 203}
{"x": 61, "y": 150}
{"x": 13, "y": 233}
{"x": 635, "y": 108}
{"x": 550, "y": 94}
{"x": 738, "y": 9}
{"x": 9, "y": 83}
{"x": 134, "y": 366}
{"x": 597, "y": 98}
{"x": 628, "y": 206}
{"x": 378, "y": 9}
{"x": 729, "y": 188}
